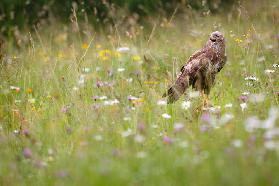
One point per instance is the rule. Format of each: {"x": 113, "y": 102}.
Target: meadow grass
{"x": 76, "y": 110}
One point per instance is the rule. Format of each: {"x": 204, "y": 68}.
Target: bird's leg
{"x": 205, "y": 101}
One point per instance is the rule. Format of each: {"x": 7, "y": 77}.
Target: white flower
{"x": 126, "y": 133}
{"x": 98, "y": 69}
{"x": 252, "y": 78}
{"x": 32, "y": 100}
{"x": 126, "y": 118}
{"x": 186, "y": 105}
{"x": 122, "y": 49}
{"x": 131, "y": 98}
{"x": 268, "y": 71}
{"x": 226, "y": 118}
{"x": 161, "y": 102}
{"x": 166, "y": 116}
{"x": 237, "y": 143}
{"x": 178, "y": 126}
{"x": 154, "y": 126}
{"x": 103, "y": 97}
{"x": 121, "y": 69}
{"x": 111, "y": 102}
{"x": 75, "y": 88}
{"x": 81, "y": 80}
{"x": 243, "y": 106}
{"x": 139, "y": 138}
{"x": 245, "y": 93}
{"x": 229, "y": 105}
{"x": 14, "y": 88}
{"x": 129, "y": 80}
{"x": 98, "y": 137}
{"x": 86, "y": 69}
{"x": 252, "y": 123}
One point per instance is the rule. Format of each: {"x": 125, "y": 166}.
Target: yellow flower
{"x": 238, "y": 40}
{"x": 151, "y": 82}
{"x": 136, "y": 58}
{"x": 98, "y": 46}
{"x": 116, "y": 54}
{"x": 104, "y": 54}
{"x": 29, "y": 90}
{"x": 60, "y": 55}
{"x": 84, "y": 46}
{"x": 138, "y": 101}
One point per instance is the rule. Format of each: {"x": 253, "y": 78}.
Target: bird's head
{"x": 216, "y": 37}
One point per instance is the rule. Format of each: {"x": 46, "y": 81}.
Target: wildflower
{"x": 121, "y": 69}
{"x": 178, "y": 127}
{"x": 229, "y": 105}
{"x": 122, "y": 49}
{"x": 141, "y": 127}
{"x": 98, "y": 137}
{"x": 17, "y": 89}
{"x": 136, "y": 58}
{"x": 98, "y": 46}
{"x": 206, "y": 117}
{"x": 129, "y": 80}
{"x": 237, "y": 143}
{"x": 138, "y": 101}
{"x": 243, "y": 98}
{"x": 111, "y": 102}
{"x": 252, "y": 123}
{"x": 238, "y": 40}
{"x": 81, "y": 80}
{"x": 167, "y": 140}
{"x": 32, "y": 100}
{"x": 27, "y": 153}
{"x": 139, "y": 138}
{"x": 65, "y": 109}
{"x": 161, "y": 102}
{"x": 126, "y": 133}
{"x": 60, "y": 55}
{"x": 185, "y": 105}
{"x": 127, "y": 118}
{"x": 252, "y": 78}
{"x": 29, "y": 90}
{"x": 86, "y": 69}
{"x": 116, "y": 54}
{"x": 226, "y": 118}
{"x": 84, "y": 46}
{"x": 166, "y": 116}
{"x": 243, "y": 106}
{"x": 268, "y": 71}
{"x": 104, "y": 54}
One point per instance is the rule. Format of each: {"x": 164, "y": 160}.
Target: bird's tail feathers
{"x": 173, "y": 93}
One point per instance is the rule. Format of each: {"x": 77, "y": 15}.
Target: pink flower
{"x": 27, "y": 153}
{"x": 167, "y": 140}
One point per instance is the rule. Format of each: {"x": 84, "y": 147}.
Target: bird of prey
{"x": 201, "y": 69}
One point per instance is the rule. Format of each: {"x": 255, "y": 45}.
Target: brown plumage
{"x": 201, "y": 69}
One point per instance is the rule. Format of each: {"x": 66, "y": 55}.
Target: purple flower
{"x": 243, "y": 98}
{"x": 65, "y": 109}
{"x": 141, "y": 127}
{"x": 205, "y": 117}
{"x": 26, "y": 132}
{"x": 167, "y": 140}
{"x": 27, "y": 153}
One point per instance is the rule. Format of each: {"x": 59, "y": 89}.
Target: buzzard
{"x": 201, "y": 69}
